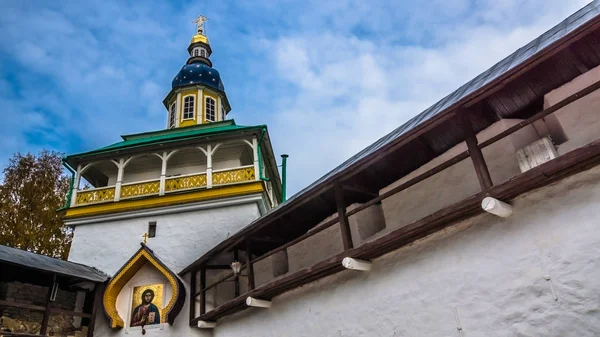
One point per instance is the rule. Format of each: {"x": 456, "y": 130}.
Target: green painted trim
{"x": 284, "y": 158}
{"x": 181, "y": 129}
{"x": 260, "y": 158}
{"x": 164, "y": 138}
{"x": 70, "y": 192}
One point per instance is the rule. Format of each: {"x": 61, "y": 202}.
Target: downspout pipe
{"x": 70, "y": 192}
{"x": 284, "y": 158}
{"x": 260, "y": 160}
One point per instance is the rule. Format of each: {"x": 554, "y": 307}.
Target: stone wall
{"x": 29, "y": 321}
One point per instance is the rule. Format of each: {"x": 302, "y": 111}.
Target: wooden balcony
{"x": 162, "y": 186}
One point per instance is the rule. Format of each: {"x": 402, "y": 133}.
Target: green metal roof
{"x": 162, "y": 136}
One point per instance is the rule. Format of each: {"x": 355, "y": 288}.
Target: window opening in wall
{"x": 188, "y": 107}
{"x": 172, "y": 116}
{"x": 210, "y": 109}
{"x": 151, "y": 229}
{"x": 202, "y": 53}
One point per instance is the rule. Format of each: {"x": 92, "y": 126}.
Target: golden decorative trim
{"x": 95, "y": 195}
{"x": 166, "y": 200}
{"x": 140, "y": 189}
{"x": 199, "y": 38}
{"x": 116, "y": 284}
{"x": 185, "y": 183}
{"x": 233, "y": 176}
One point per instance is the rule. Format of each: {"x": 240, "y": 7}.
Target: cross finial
{"x": 200, "y": 23}
{"x": 145, "y": 236}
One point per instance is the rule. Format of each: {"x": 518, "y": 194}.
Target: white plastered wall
{"x": 180, "y": 237}
{"x": 221, "y": 164}
{"x": 580, "y": 122}
{"x": 173, "y": 170}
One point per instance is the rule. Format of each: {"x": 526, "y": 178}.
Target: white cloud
{"x": 351, "y": 91}
{"x": 327, "y": 77}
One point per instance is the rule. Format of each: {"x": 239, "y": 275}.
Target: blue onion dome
{"x": 198, "y": 73}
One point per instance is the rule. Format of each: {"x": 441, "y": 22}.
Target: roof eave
{"x": 75, "y": 159}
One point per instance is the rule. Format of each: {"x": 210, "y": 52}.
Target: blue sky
{"x": 327, "y": 77}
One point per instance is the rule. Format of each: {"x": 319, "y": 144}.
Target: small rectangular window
{"x": 151, "y": 229}
{"x": 172, "y": 116}
{"x": 188, "y": 107}
{"x": 210, "y": 110}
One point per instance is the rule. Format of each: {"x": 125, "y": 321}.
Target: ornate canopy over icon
{"x": 147, "y": 300}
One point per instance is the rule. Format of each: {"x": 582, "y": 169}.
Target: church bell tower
{"x": 178, "y": 190}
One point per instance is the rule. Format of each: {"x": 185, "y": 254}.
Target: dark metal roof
{"x": 512, "y": 88}
{"x": 198, "y": 73}
{"x": 49, "y": 264}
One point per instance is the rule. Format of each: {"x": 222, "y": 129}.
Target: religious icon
{"x": 146, "y": 303}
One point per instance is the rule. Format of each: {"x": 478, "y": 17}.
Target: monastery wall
{"x": 181, "y": 237}
{"x": 491, "y": 269}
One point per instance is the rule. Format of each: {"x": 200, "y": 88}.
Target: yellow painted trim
{"x": 213, "y": 96}
{"x": 169, "y": 105}
{"x": 116, "y": 284}
{"x": 166, "y": 200}
{"x": 188, "y": 122}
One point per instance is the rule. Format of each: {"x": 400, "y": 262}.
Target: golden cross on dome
{"x": 145, "y": 236}
{"x": 200, "y": 23}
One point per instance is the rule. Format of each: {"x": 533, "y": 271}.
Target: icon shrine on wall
{"x": 149, "y": 305}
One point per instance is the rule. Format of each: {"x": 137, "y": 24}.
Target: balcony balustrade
{"x": 138, "y": 189}
{"x": 96, "y": 195}
{"x": 233, "y": 176}
{"x": 200, "y": 180}
{"x": 185, "y": 182}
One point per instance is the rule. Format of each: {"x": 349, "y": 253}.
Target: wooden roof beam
{"x": 360, "y": 190}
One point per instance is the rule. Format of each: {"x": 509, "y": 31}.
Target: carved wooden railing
{"x": 233, "y": 176}
{"x": 102, "y": 194}
{"x": 185, "y": 182}
{"x": 138, "y": 189}
{"x": 172, "y": 184}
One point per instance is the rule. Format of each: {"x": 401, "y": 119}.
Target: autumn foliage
{"x": 32, "y": 189}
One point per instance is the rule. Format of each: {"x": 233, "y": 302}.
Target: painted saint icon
{"x": 146, "y": 313}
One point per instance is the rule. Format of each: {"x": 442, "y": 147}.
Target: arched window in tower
{"x": 188, "y": 107}
{"x": 196, "y": 51}
{"x": 211, "y": 115}
{"x": 202, "y": 52}
{"x": 172, "y": 116}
